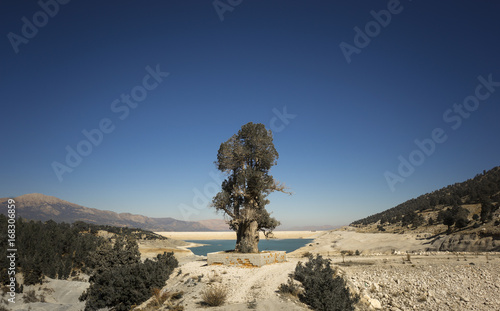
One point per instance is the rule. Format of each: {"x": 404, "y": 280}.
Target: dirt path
{"x": 244, "y": 285}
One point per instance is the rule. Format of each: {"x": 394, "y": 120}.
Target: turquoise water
{"x": 288, "y": 245}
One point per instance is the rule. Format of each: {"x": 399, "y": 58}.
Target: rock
{"x": 375, "y": 304}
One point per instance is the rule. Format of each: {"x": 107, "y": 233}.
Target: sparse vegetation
{"x": 30, "y": 296}
{"x": 165, "y": 298}
{"x": 252, "y": 304}
{"x": 484, "y": 189}
{"x": 159, "y": 297}
{"x": 306, "y": 254}
{"x": 214, "y": 296}
{"x": 290, "y": 288}
{"x": 214, "y": 278}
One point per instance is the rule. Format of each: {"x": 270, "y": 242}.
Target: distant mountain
{"x": 469, "y": 206}
{"x": 215, "y": 224}
{"x": 37, "y": 206}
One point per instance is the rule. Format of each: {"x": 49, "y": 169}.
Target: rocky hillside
{"x": 472, "y": 205}
{"x": 37, "y": 206}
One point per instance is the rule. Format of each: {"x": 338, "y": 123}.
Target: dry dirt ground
{"x": 383, "y": 274}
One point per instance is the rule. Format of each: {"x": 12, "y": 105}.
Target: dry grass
{"x": 165, "y": 298}
{"x": 30, "y": 296}
{"x": 159, "y": 297}
{"x": 214, "y": 278}
{"x": 290, "y": 288}
{"x": 214, "y": 296}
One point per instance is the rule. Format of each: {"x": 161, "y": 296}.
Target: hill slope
{"x": 472, "y": 204}
{"x": 37, "y": 206}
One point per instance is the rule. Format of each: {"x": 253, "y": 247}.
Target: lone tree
{"x": 246, "y": 158}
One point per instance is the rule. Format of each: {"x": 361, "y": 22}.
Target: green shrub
{"x": 128, "y": 284}
{"x": 322, "y": 289}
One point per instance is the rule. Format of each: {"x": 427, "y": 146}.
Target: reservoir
{"x": 288, "y": 245}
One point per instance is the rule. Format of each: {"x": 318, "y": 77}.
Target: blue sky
{"x": 342, "y": 121}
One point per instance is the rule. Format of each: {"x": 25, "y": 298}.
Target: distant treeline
{"x": 118, "y": 277}
{"x": 57, "y": 250}
{"x": 483, "y": 189}
{"x": 47, "y": 249}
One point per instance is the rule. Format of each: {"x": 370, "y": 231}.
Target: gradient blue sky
{"x": 352, "y": 120}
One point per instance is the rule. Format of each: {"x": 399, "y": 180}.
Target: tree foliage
{"x": 48, "y": 249}
{"x": 246, "y": 158}
{"x": 120, "y": 280}
{"x": 456, "y": 215}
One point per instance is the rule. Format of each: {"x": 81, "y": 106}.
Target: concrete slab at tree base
{"x": 246, "y": 260}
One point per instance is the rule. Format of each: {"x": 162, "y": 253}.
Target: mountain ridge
{"x": 37, "y": 206}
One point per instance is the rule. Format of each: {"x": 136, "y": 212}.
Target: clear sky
{"x": 158, "y": 85}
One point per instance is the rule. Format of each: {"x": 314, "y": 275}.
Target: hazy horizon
{"x": 123, "y": 107}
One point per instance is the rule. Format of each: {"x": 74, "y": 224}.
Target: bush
{"x": 214, "y": 295}
{"x": 129, "y": 283}
{"x": 290, "y": 288}
{"x": 322, "y": 289}
{"x": 306, "y": 254}
{"x": 30, "y": 296}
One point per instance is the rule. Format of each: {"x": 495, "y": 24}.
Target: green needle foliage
{"x": 322, "y": 289}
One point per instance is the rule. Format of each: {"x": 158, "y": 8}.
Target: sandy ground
{"x": 382, "y": 275}
{"x": 151, "y": 248}
{"x": 230, "y": 235}
{"x": 58, "y": 295}
{"x": 346, "y": 239}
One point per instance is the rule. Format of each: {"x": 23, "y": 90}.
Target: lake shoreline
{"x": 231, "y": 235}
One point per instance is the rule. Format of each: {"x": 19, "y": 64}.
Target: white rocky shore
{"x": 438, "y": 282}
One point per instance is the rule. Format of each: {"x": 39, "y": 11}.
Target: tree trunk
{"x": 247, "y": 237}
